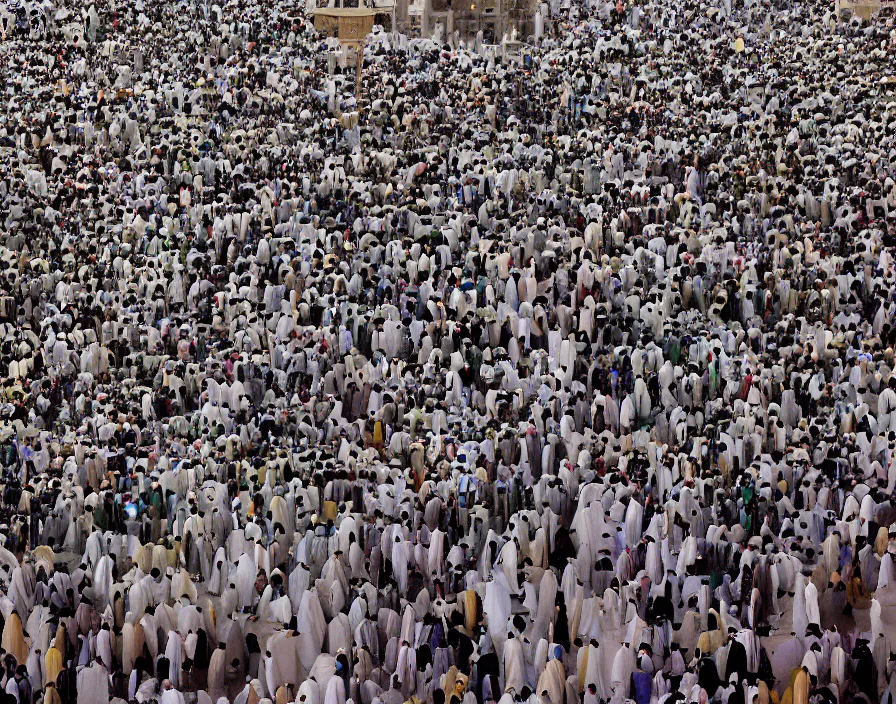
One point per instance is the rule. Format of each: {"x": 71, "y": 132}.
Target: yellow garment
{"x": 470, "y": 610}
{"x": 329, "y": 512}
{"x": 52, "y": 696}
{"x": 44, "y": 555}
{"x": 801, "y": 687}
{"x": 14, "y": 638}
{"x": 857, "y": 595}
{"x": 283, "y": 695}
{"x": 450, "y": 678}
{"x": 582, "y": 667}
{"x": 52, "y": 665}
{"x": 880, "y": 544}
{"x": 139, "y": 638}
{"x": 788, "y": 693}
{"x": 59, "y": 640}
{"x": 143, "y": 558}
{"x": 710, "y": 641}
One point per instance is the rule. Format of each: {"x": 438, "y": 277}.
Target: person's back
{"x": 170, "y": 695}
{"x": 12, "y": 690}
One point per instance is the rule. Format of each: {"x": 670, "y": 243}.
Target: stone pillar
{"x": 359, "y": 66}
{"x": 400, "y": 15}
{"x": 424, "y": 19}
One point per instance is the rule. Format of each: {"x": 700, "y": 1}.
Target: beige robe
{"x": 14, "y": 638}
{"x": 217, "y": 672}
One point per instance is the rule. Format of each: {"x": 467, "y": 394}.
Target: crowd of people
{"x": 551, "y": 373}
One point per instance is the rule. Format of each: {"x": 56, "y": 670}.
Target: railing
{"x": 876, "y": 4}
{"x": 865, "y": 8}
